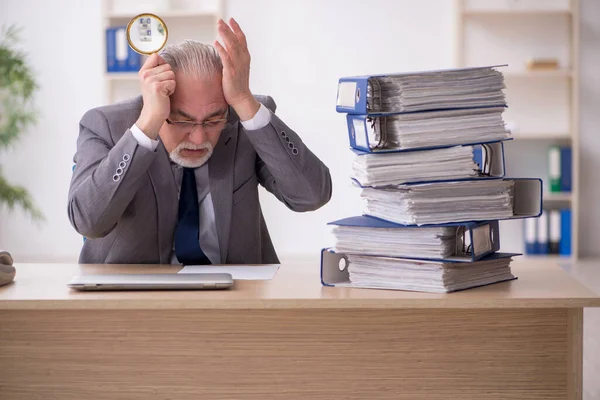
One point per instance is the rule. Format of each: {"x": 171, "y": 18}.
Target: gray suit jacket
{"x": 130, "y": 218}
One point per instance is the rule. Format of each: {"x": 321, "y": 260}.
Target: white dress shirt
{"x": 208, "y": 229}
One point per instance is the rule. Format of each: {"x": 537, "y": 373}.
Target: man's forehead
{"x": 208, "y": 112}
{"x": 197, "y": 98}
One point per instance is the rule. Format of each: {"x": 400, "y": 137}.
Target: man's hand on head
{"x": 157, "y": 81}
{"x": 236, "y": 69}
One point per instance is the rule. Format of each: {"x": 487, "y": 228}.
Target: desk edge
{"x": 125, "y": 304}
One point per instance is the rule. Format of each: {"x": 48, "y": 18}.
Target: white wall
{"x": 62, "y": 40}
{"x": 589, "y": 98}
{"x": 299, "y": 50}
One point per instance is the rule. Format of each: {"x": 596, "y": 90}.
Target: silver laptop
{"x": 201, "y": 281}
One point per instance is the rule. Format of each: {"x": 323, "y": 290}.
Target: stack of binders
{"x": 429, "y": 165}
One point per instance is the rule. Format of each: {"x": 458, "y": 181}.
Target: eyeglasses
{"x": 210, "y": 125}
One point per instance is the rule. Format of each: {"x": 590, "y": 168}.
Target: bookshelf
{"x": 558, "y": 197}
{"x": 185, "y": 19}
{"x": 543, "y": 107}
{"x": 559, "y": 73}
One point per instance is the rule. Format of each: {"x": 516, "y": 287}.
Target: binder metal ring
{"x": 376, "y": 95}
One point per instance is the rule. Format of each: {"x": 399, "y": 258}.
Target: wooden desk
{"x": 291, "y": 338}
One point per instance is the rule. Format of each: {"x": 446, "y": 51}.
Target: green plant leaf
{"x": 12, "y": 196}
{"x": 17, "y": 113}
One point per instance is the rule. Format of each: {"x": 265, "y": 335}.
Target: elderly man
{"x": 172, "y": 176}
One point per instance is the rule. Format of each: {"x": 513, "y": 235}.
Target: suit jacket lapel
{"x": 220, "y": 170}
{"x": 165, "y": 190}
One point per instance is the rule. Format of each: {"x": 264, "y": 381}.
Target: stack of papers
{"x": 412, "y": 242}
{"x": 438, "y": 128}
{"x": 385, "y": 169}
{"x": 427, "y": 276}
{"x": 435, "y": 90}
{"x": 429, "y": 162}
{"x": 443, "y": 202}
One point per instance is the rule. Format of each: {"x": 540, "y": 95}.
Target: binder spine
{"x": 484, "y": 240}
{"x": 120, "y": 57}
{"x": 352, "y": 95}
{"x": 554, "y": 168}
{"x": 542, "y": 233}
{"x": 530, "y": 236}
{"x": 555, "y": 232}
{"x": 360, "y": 133}
{"x": 490, "y": 159}
{"x": 334, "y": 268}
{"x": 565, "y": 169}
{"x": 565, "y": 232}
{"x": 134, "y": 61}
{"x": 111, "y": 61}
{"x": 527, "y": 197}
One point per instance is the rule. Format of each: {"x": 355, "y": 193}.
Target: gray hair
{"x": 193, "y": 58}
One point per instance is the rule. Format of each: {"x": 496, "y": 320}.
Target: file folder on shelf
{"x": 560, "y": 168}
{"x": 426, "y": 130}
{"x": 564, "y": 247}
{"x": 554, "y": 231}
{"x": 424, "y": 90}
{"x": 530, "y": 234}
{"x": 120, "y": 57}
{"x": 459, "y": 242}
{"x": 566, "y": 168}
{"x": 554, "y": 169}
{"x": 335, "y": 271}
{"x": 486, "y": 161}
{"x": 542, "y": 233}
{"x": 456, "y": 201}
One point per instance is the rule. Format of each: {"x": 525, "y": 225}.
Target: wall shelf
{"x": 558, "y": 197}
{"x": 182, "y": 23}
{"x": 550, "y": 257}
{"x": 121, "y": 76}
{"x": 169, "y": 14}
{"x": 543, "y": 105}
{"x": 513, "y": 12}
{"x": 541, "y": 136}
{"x": 558, "y": 73}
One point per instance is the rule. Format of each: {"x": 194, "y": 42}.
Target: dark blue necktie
{"x": 187, "y": 232}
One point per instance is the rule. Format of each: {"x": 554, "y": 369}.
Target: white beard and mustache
{"x": 186, "y": 162}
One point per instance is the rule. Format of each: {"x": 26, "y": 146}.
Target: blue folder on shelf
{"x": 475, "y": 240}
{"x": 566, "y": 171}
{"x": 120, "y": 57}
{"x": 565, "y": 232}
{"x": 530, "y": 235}
{"x": 334, "y": 267}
